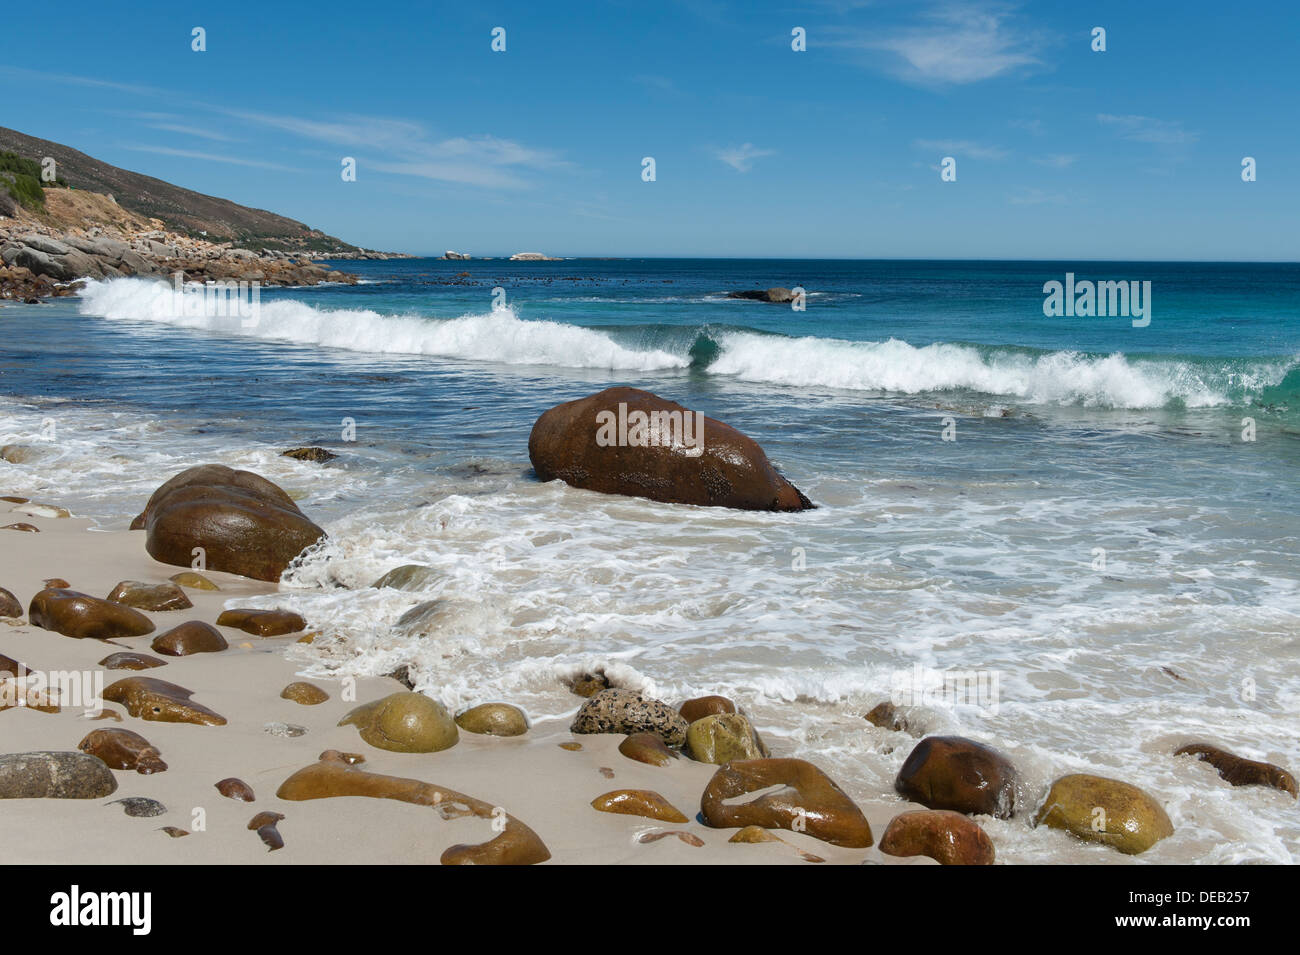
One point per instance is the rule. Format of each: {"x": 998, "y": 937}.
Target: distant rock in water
{"x": 456, "y": 256}
{"x": 317, "y": 455}
{"x": 628, "y": 441}
{"x": 776, "y": 295}
{"x": 531, "y": 257}
{"x": 244, "y": 524}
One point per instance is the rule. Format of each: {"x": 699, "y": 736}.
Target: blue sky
{"x": 1061, "y": 152}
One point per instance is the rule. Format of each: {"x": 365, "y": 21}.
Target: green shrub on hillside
{"x": 21, "y": 178}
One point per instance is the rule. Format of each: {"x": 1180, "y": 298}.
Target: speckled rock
{"x": 951, "y": 772}
{"x": 647, "y": 748}
{"x": 627, "y": 712}
{"x": 1103, "y": 810}
{"x": 308, "y": 694}
{"x": 947, "y": 837}
{"x": 193, "y": 636}
{"x": 154, "y": 597}
{"x": 140, "y": 807}
{"x": 1240, "y": 771}
{"x": 405, "y": 723}
{"x": 639, "y": 802}
{"x": 262, "y": 623}
{"x": 494, "y": 719}
{"x": 703, "y": 706}
{"x": 802, "y": 798}
{"x": 80, "y": 615}
{"x": 54, "y": 775}
{"x": 723, "y": 737}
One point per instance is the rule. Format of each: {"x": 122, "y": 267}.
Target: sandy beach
{"x": 531, "y": 777}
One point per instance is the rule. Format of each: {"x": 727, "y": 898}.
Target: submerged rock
{"x": 148, "y": 698}
{"x": 404, "y": 722}
{"x": 1239, "y": 771}
{"x": 192, "y": 637}
{"x": 313, "y": 454}
{"x": 887, "y": 716}
{"x": 947, "y": 837}
{"x": 807, "y": 800}
{"x": 263, "y": 623}
{"x": 407, "y": 577}
{"x": 80, "y": 615}
{"x": 123, "y": 749}
{"x": 627, "y": 712}
{"x": 718, "y": 467}
{"x": 142, "y": 596}
{"x": 494, "y": 719}
{"x": 952, "y": 772}
{"x": 54, "y": 775}
{"x": 515, "y": 844}
{"x": 587, "y": 685}
{"x": 244, "y": 523}
{"x": 1104, "y": 810}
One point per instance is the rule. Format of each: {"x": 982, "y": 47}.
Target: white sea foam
{"x": 498, "y": 336}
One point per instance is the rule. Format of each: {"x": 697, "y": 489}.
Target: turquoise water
{"x": 1101, "y": 535}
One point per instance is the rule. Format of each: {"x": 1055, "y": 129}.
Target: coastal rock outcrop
{"x": 802, "y": 799}
{"x": 243, "y": 523}
{"x": 951, "y": 772}
{"x": 632, "y": 442}
{"x": 626, "y": 711}
{"x": 1103, "y": 810}
{"x": 775, "y": 295}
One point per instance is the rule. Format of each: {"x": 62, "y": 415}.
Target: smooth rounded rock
{"x": 404, "y": 722}
{"x": 952, "y": 772}
{"x": 887, "y": 716}
{"x": 579, "y": 442}
{"x": 128, "y": 660}
{"x": 408, "y": 577}
{"x": 80, "y": 615}
{"x": 193, "y": 580}
{"x": 262, "y": 623}
{"x": 154, "y": 597}
{"x": 639, "y": 802}
{"x": 194, "y": 636}
{"x": 801, "y": 798}
{"x": 244, "y": 523}
{"x": 1104, "y": 810}
{"x": 9, "y": 605}
{"x": 236, "y": 789}
{"x": 647, "y": 748}
{"x": 308, "y": 694}
{"x": 703, "y": 706}
{"x": 947, "y": 837}
{"x": 723, "y": 737}
{"x": 628, "y": 712}
{"x": 123, "y": 749}
{"x": 494, "y": 719}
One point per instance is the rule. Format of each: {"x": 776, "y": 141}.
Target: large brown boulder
{"x": 245, "y": 524}
{"x": 80, "y": 615}
{"x": 628, "y": 441}
{"x": 952, "y": 772}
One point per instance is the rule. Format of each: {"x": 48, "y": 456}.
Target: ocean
{"x": 1087, "y": 522}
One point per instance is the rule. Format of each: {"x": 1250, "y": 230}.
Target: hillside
{"x": 180, "y": 210}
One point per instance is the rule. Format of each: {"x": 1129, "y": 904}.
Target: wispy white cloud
{"x": 197, "y": 131}
{"x": 962, "y": 147}
{"x": 741, "y": 158}
{"x": 958, "y": 43}
{"x": 1145, "y": 129}
{"x": 210, "y": 157}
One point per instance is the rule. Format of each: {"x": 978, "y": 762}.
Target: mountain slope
{"x": 181, "y": 210}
